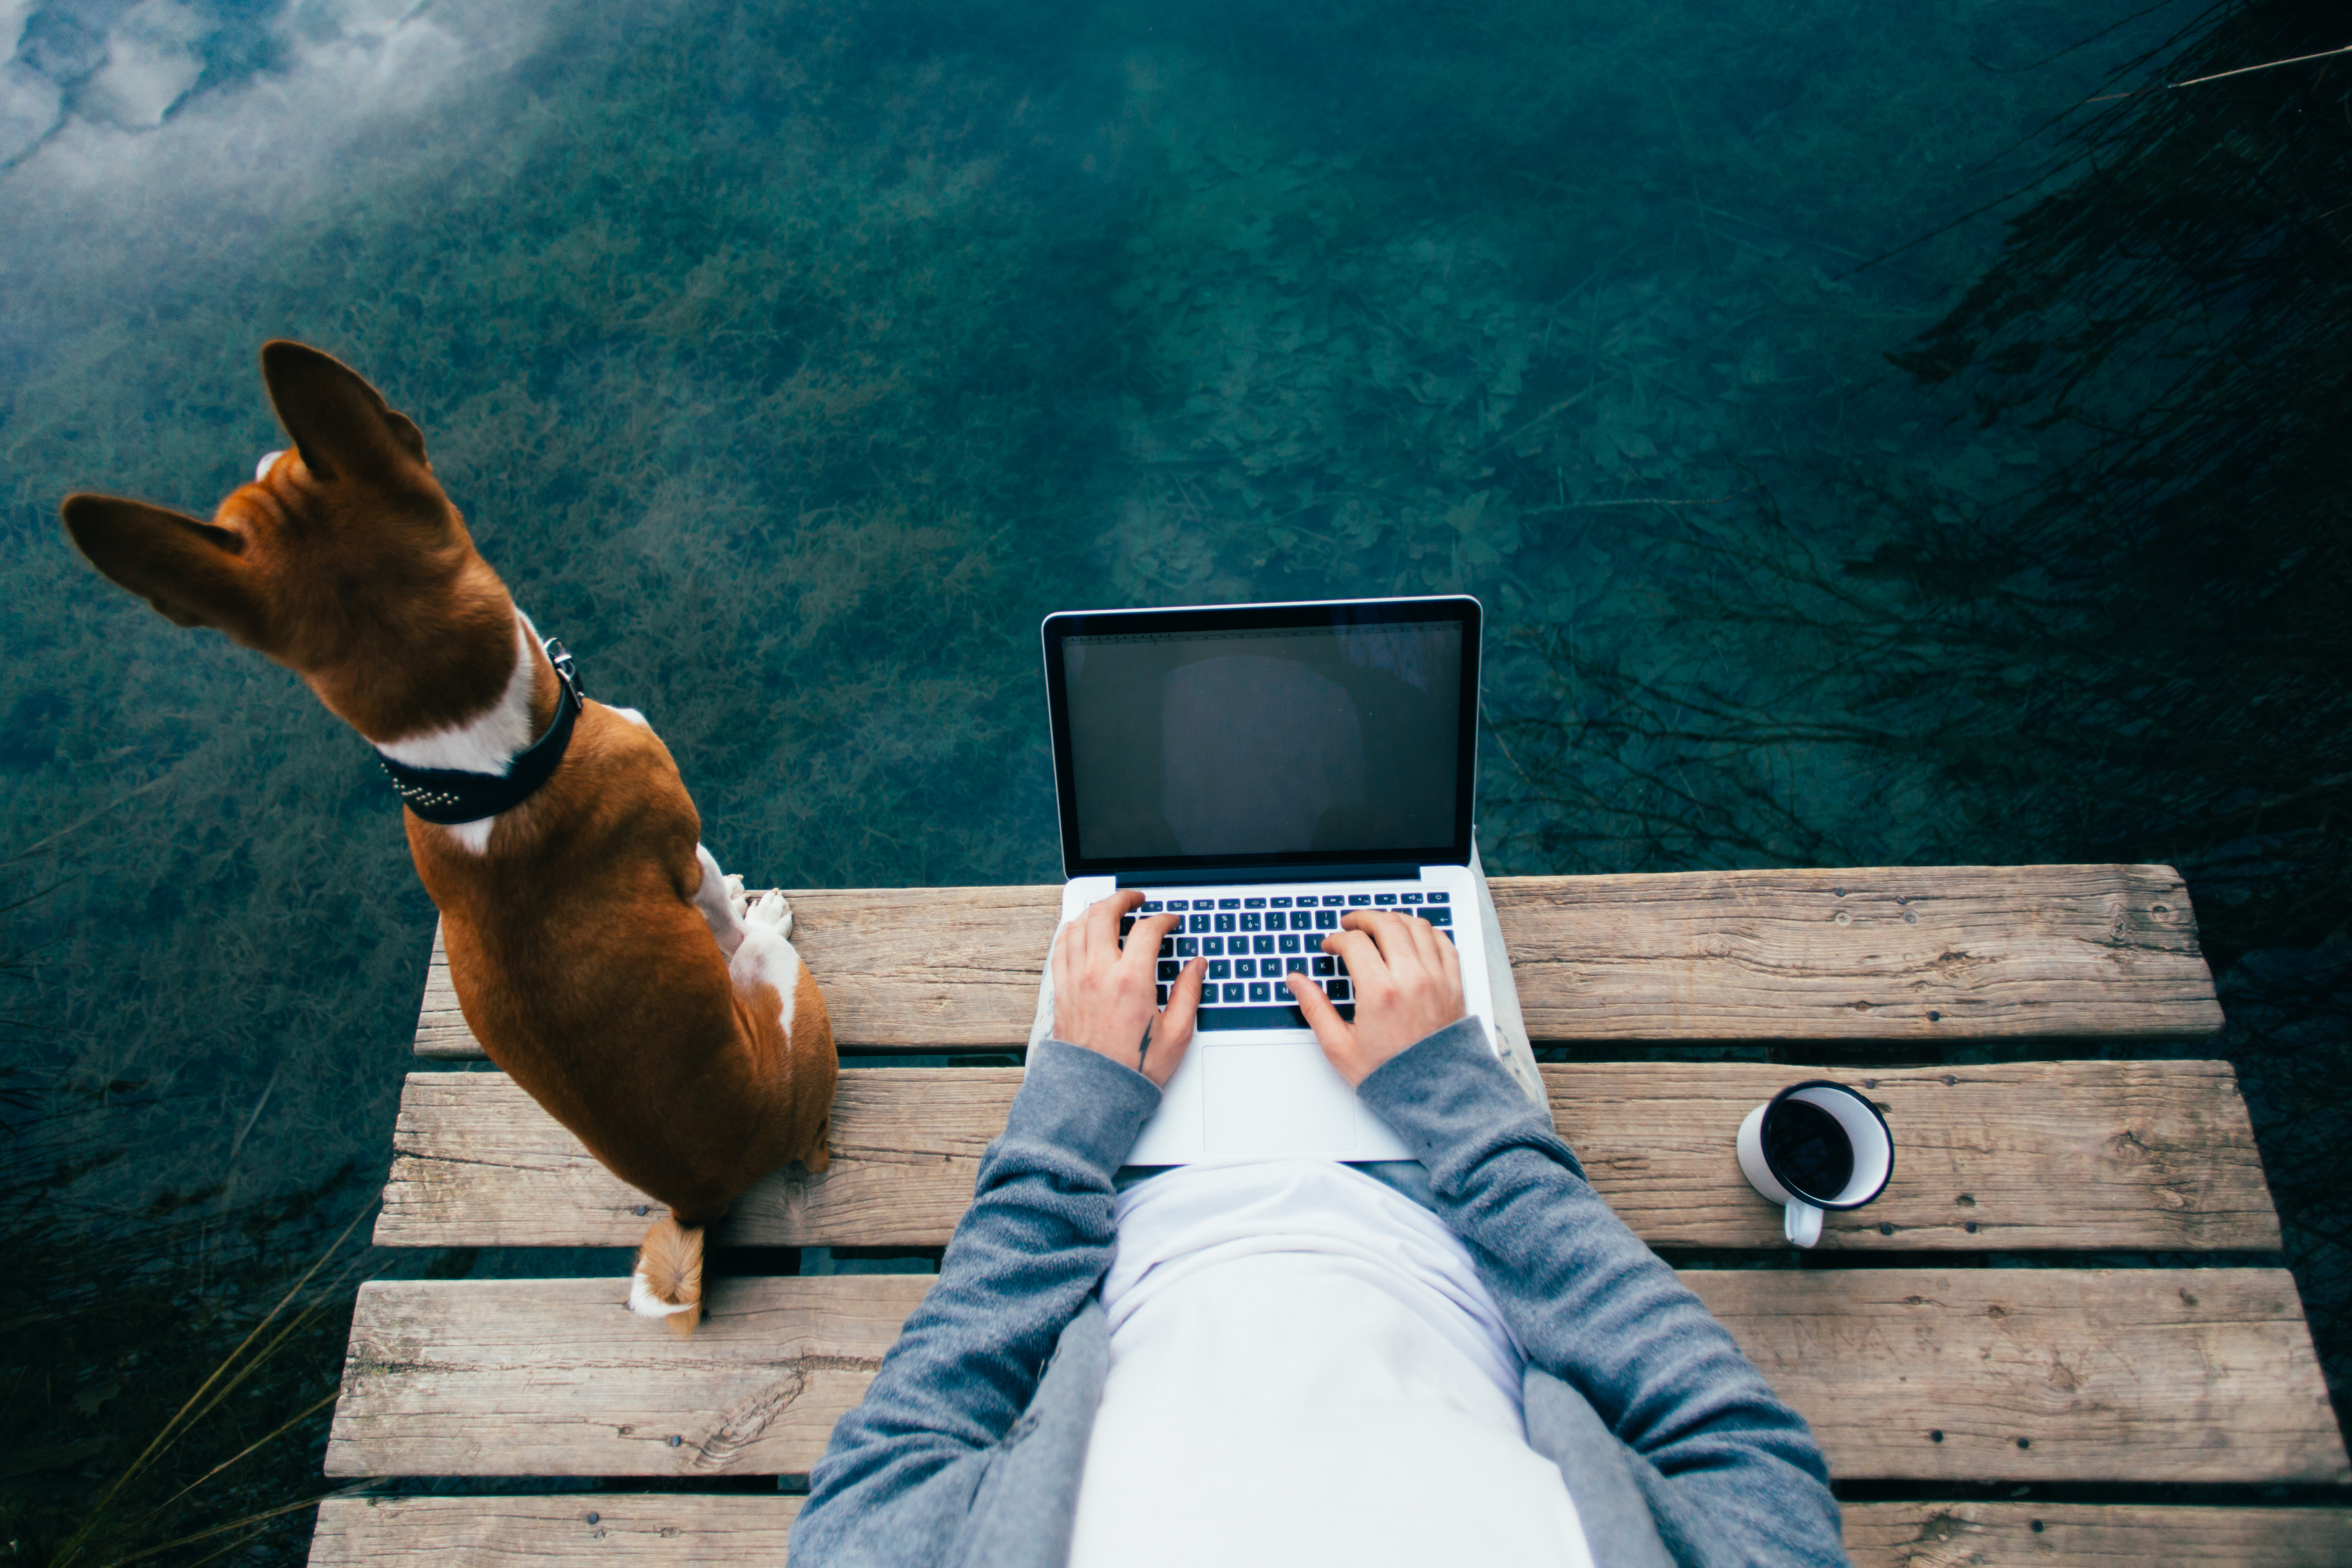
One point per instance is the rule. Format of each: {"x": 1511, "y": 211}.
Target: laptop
{"x": 1258, "y": 771}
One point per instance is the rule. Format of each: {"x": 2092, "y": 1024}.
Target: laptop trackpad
{"x": 1281, "y": 1098}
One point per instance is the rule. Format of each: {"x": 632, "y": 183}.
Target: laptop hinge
{"x": 1354, "y": 871}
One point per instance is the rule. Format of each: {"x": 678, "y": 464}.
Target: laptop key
{"x": 1327, "y": 920}
{"x": 1150, "y": 907}
{"x": 1384, "y": 897}
{"x": 1170, "y": 969}
{"x": 1340, "y": 990}
{"x": 1199, "y": 924}
{"x": 1187, "y": 946}
{"x": 1438, "y": 898}
{"x": 1246, "y": 969}
{"x": 1163, "y": 995}
{"x": 1220, "y": 970}
{"x": 1261, "y": 992}
{"x": 1261, "y": 944}
{"x": 1438, "y": 916}
{"x": 1224, "y": 923}
{"x": 1289, "y": 942}
{"x": 1229, "y": 903}
{"x": 1293, "y": 965}
{"x": 1213, "y": 946}
{"x": 1325, "y": 965}
{"x": 1234, "y": 992}
{"x": 1359, "y": 901}
{"x": 1412, "y": 898}
{"x": 1251, "y": 922}
{"x": 1332, "y": 900}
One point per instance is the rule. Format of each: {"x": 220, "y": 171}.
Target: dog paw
{"x": 773, "y": 910}
{"x": 735, "y": 897}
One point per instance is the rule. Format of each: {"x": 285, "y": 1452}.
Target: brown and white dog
{"x": 599, "y": 954}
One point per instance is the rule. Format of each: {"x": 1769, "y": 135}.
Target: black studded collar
{"x": 454, "y": 796}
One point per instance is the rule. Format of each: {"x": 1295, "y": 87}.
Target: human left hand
{"x": 1104, "y": 997}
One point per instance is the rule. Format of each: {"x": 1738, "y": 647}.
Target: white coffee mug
{"x": 1790, "y": 1170}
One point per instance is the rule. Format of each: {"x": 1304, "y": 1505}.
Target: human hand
{"x": 1408, "y": 982}
{"x": 1104, "y": 997}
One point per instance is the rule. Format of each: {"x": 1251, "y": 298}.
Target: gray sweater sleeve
{"x": 1732, "y": 1474}
{"x": 899, "y": 1479}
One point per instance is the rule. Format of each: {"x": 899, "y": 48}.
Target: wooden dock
{"x": 1930, "y": 1377}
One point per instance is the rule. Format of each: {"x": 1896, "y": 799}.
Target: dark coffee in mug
{"x": 1810, "y": 1150}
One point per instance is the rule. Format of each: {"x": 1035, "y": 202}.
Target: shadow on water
{"x": 791, "y": 363}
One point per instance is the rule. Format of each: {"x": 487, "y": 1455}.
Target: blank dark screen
{"x": 1325, "y": 739}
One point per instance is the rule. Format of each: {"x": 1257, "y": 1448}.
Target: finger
{"x": 1147, "y": 933}
{"x": 1172, "y": 1035}
{"x": 1331, "y": 1031}
{"x": 1426, "y": 942}
{"x": 1389, "y": 931}
{"x": 1102, "y": 920}
{"x": 1356, "y": 947}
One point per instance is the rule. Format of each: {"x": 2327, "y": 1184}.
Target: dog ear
{"x": 192, "y": 572}
{"x": 340, "y": 424}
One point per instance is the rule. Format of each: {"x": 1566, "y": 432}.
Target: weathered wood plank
{"x": 2087, "y": 1535}
{"x": 660, "y": 1530}
{"x": 1940, "y": 952}
{"x": 2035, "y": 1375}
{"x": 915, "y": 968}
{"x": 690, "y": 1530}
{"x": 2082, "y": 1155}
{"x": 556, "y": 1377}
{"x": 2026, "y": 1375}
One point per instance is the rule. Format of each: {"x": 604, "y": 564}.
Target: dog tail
{"x": 668, "y": 1281}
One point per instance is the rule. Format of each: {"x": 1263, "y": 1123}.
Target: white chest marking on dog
{"x": 486, "y": 743}
{"x": 261, "y": 468}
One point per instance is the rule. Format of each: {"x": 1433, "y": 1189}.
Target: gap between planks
{"x": 1927, "y": 1375}
{"x": 1914, "y": 954}
{"x": 2082, "y": 1155}
{"x": 684, "y": 1530}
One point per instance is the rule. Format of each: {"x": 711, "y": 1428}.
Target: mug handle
{"x": 1801, "y": 1224}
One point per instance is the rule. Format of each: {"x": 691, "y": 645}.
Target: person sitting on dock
{"x": 1298, "y": 1362}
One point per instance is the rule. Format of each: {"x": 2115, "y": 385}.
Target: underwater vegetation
{"x": 2136, "y": 651}
{"x": 790, "y": 361}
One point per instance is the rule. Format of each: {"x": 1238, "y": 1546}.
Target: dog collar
{"x": 453, "y": 796}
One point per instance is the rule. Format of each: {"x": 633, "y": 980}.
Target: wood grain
{"x": 2028, "y": 1375}
{"x": 660, "y": 1530}
{"x": 2156, "y": 1156}
{"x": 699, "y": 1531}
{"x": 556, "y": 1377}
{"x": 2087, "y": 1535}
{"x": 2042, "y": 1374}
{"x": 1945, "y": 952}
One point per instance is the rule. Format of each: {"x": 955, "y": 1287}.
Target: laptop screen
{"x": 1264, "y": 735}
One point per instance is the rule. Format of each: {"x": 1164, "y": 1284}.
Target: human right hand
{"x": 1407, "y": 982}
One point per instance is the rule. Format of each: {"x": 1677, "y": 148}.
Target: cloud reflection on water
{"x": 180, "y": 118}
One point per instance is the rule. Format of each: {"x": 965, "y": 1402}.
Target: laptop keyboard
{"x": 1253, "y": 937}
